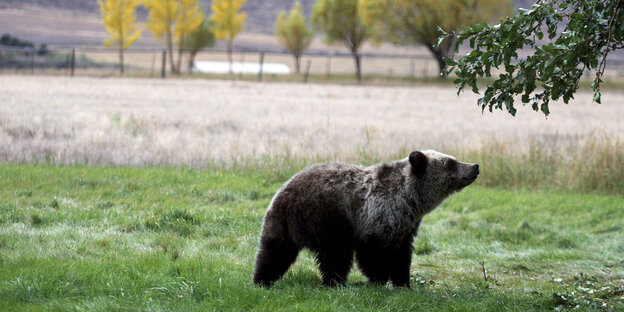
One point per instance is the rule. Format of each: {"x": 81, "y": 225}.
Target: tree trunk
{"x": 120, "y": 44}
{"x": 358, "y": 66}
{"x": 191, "y": 61}
{"x": 121, "y": 61}
{"x": 441, "y": 52}
{"x": 229, "y": 52}
{"x": 180, "y": 52}
{"x": 298, "y": 63}
{"x": 170, "y": 52}
{"x": 441, "y": 64}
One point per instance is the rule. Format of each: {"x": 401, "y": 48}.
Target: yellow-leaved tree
{"x": 293, "y": 33}
{"x": 410, "y": 22}
{"x": 227, "y": 22}
{"x": 160, "y": 21}
{"x": 190, "y": 18}
{"x": 170, "y": 21}
{"x": 119, "y": 19}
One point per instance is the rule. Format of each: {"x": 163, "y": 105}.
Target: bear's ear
{"x": 418, "y": 161}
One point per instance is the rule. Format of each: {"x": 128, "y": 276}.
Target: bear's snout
{"x": 471, "y": 172}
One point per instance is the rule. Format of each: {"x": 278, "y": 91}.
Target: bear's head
{"x": 436, "y": 175}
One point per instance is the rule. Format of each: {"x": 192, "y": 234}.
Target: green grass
{"x": 127, "y": 239}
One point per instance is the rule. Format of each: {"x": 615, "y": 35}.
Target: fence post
{"x": 261, "y": 66}
{"x": 328, "y": 68}
{"x": 413, "y": 69}
{"x": 163, "y": 68}
{"x": 153, "y": 65}
{"x": 242, "y": 65}
{"x": 32, "y": 61}
{"x": 72, "y": 63}
{"x": 307, "y": 71}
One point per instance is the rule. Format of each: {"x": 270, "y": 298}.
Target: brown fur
{"x": 336, "y": 209}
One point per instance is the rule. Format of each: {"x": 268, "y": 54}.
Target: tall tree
{"x": 228, "y": 22}
{"x": 160, "y": 21}
{"x": 169, "y": 21}
{"x": 189, "y": 18}
{"x": 591, "y": 30}
{"x": 410, "y": 22}
{"x": 341, "y": 20}
{"x": 201, "y": 38}
{"x": 119, "y": 19}
{"x": 293, "y": 33}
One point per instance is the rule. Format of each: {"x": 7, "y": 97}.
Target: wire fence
{"x": 155, "y": 63}
{"x": 92, "y": 61}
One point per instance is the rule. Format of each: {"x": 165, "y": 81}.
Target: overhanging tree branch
{"x": 592, "y": 30}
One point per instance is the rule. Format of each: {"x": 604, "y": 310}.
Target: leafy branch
{"x": 593, "y": 28}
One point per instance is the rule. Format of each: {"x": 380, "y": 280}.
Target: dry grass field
{"x": 203, "y": 122}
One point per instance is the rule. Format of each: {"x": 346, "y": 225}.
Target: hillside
{"x": 65, "y": 23}
{"x": 261, "y": 13}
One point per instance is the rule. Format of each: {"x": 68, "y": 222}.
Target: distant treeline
{"x": 10, "y": 41}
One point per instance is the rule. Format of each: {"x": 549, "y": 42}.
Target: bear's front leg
{"x": 400, "y": 264}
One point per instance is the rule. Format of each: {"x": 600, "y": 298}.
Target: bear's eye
{"x": 451, "y": 165}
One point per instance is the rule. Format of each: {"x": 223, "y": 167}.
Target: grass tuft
{"x": 36, "y": 220}
{"x": 594, "y": 164}
{"x": 177, "y": 220}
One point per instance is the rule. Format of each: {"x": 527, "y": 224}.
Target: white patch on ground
{"x": 240, "y": 68}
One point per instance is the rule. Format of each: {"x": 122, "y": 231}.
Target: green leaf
{"x": 524, "y": 11}
{"x": 450, "y": 61}
{"x": 597, "y": 97}
{"x": 544, "y": 108}
{"x": 440, "y": 40}
{"x": 596, "y": 83}
{"x": 475, "y": 89}
{"x": 440, "y": 30}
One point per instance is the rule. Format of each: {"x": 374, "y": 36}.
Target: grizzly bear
{"x": 337, "y": 209}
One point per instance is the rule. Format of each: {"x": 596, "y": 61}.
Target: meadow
{"x": 147, "y": 194}
{"x": 155, "y": 239}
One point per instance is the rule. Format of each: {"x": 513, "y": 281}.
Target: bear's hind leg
{"x": 335, "y": 266}
{"x": 273, "y": 260}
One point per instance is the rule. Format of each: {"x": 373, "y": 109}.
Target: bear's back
{"x": 320, "y": 188}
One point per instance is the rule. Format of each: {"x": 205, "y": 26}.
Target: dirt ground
{"x": 195, "y": 122}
